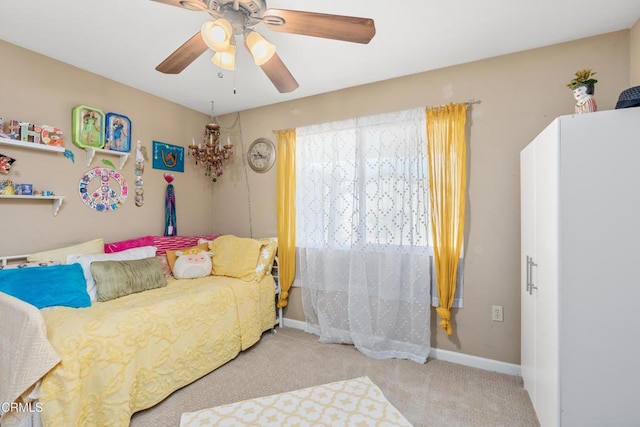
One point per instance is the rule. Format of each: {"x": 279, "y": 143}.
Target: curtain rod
{"x": 469, "y": 102}
{"x": 473, "y": 101}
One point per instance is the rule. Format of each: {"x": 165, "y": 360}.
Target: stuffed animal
{"x": 192, "y": 263}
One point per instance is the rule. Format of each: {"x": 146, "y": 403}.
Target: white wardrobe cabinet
{"x": 580, "y": 268}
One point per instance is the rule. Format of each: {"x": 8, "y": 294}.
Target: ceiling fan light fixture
{"x": 226, "y": 59}
{"x": 217, "y": 34}
{"x": 261, "y": 50}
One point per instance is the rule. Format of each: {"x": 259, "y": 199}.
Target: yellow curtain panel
{"x": 446, "y": 146}
{"x": 286, "y": 210}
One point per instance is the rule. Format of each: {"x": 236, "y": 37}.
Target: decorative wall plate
{"x": 111, "y": 191}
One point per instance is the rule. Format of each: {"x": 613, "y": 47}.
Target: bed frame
{"x": 4, "y": 260}
{"x": 11, "y": 259}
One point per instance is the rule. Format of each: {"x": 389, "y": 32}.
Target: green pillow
{"x": 115, "y": 279}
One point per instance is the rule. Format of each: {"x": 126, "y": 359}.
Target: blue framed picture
{"x": 117, "y": 132}
{"x": 168, "y": 157}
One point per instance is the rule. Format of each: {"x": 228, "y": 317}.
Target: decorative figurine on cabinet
{"x": 583, "y": 86}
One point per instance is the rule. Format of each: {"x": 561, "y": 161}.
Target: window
{"x": 362, "y": 183}
{"x": 362, "y": 233}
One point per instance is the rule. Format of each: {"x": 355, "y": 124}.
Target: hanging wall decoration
{"x": 170, "y": 227}
{"x": 141, "y": 155}
{"x": 88, "y": 127}
{"x": 117, "y": 132}
{"x": 69, "y": 155}
{"x": 168, "y": 157}
{"x": 104, "y": 197}
{"x": 5, "y": 163}
{"x": 109, "y": 163}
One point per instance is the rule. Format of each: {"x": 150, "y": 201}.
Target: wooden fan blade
{"x": 196, "y": 5}
{"x": 337, "y": 27}
{"x": 184, "y": 55}
{"x": 279, "y": 74}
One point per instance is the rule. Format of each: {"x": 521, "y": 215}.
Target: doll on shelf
{"x": 583, "y": 86}
{"x": 7, "y": 188}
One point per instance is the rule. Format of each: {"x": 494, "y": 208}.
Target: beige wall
{"x": 40, "y": 90}
{"x": 519, "y": 93}
{"x": 635, "y": 54}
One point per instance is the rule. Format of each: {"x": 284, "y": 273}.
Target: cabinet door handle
{"x": 531, "y": 285}
{"x": 527, "y": 274}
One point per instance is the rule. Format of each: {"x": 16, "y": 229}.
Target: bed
{"x": 97, "y": 365}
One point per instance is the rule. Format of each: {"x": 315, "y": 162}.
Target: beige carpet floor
{"x": 436, "y": 393}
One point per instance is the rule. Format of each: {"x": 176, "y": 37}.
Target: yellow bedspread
{"x": 127, "y": 354}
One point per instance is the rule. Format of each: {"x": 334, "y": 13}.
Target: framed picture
{"x": 87, "y": 127}
{"x": 117, "y": 132}
{"x": 5, "y": 163}
{"x": 168, "y": 157}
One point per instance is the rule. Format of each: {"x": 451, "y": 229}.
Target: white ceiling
{"x": 124, "y": 40}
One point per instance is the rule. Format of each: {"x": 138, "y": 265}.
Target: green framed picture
{"x": 87, "y": 127}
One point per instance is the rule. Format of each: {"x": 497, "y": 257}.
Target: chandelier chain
{"x": 217, "y": 120}
{"x": 246, "y": 175}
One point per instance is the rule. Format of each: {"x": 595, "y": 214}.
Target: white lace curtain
{"x": 362, "y": 233}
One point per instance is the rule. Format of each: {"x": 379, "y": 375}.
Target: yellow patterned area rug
{"x": 357, "y": 402}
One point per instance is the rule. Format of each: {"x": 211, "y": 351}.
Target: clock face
{"x": 261, "y": 155}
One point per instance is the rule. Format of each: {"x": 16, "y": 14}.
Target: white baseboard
{"x": 296, "y": 324}
{"x": 446, "y": 355}
{"x": 475, "y": 361}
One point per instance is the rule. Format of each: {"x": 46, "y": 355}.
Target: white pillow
{"x": 85, "y": 261}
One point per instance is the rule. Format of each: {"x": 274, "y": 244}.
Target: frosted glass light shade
{"x": 226, "y": 59}
{"x": 217, "y": 34}
{"x": 260, "y": 48}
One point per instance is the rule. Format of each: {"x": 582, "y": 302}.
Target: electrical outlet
{"x": 496, "y": 313}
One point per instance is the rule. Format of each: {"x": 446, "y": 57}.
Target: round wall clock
{"x": 261, "y": 155}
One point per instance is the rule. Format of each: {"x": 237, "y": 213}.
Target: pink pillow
{"x": 128, "y": 244}
{"x": 165, "y": 243}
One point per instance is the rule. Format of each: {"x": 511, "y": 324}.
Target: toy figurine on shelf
{"x": 583, "y": 86}
{"x": 7, "y": 188}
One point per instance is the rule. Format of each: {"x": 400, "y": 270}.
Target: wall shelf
{"x": 56, "y": 200}
{"x": 91, "y": 152}
{"x": 30, "y": 145}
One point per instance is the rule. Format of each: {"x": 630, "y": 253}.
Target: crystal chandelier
{"x": 210, "y": 153}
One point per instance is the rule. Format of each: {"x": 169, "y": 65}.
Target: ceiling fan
{"x": 238, "y": 17}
